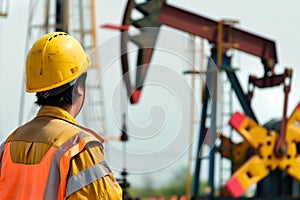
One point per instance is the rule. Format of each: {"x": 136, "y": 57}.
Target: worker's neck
{"x": 76, "y": 107}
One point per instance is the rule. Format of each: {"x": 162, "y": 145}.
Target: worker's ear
{"x": 80, "y": 90}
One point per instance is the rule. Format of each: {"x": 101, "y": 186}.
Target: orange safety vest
{"x": 50, "y": 175}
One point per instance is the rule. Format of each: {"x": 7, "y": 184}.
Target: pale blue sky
{"x": 276, "y": 20}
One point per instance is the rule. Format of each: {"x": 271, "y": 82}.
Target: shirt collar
{"x": 56, "y": 112}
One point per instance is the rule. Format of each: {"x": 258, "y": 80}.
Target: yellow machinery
{"x": 264, "y": 159}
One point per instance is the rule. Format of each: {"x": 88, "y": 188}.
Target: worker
{"x": 52, "y": 156}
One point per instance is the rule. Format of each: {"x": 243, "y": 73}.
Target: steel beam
{"x": 207, "y": 28}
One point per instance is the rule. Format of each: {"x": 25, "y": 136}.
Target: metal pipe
{"x": 195, "y": 188}
{"x": 59, "y": 17}
{"x": 212, "y": 77}
{"x": 3, "y": 7}
{"x": 189, "y": 178}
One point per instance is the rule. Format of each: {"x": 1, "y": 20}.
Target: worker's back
{"x": 37, "y": 158}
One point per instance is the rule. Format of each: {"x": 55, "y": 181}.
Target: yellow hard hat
{"x": 54, "y": 60}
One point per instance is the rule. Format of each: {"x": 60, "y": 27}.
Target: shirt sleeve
{"x": 104, "y": 188}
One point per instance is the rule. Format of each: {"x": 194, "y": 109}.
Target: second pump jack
{"x": 271, "y": 149}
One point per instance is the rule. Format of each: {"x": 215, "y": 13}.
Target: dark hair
{"x": 64, "y": 95}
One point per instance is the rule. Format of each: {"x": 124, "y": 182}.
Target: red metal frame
{"x": 207, "y": 28}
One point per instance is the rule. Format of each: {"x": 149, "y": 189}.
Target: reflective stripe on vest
{"x": 86, "y": 177}
{"x": 57, "y": 179}
{"x": 15, "y": 181}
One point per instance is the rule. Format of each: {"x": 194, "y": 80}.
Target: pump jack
{"x": 222, "y": 37}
